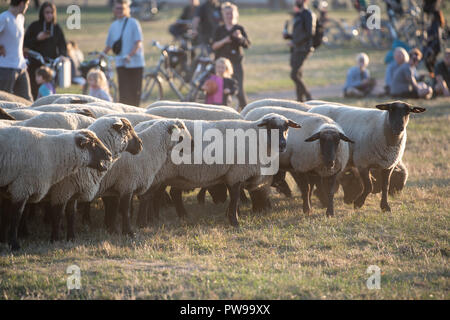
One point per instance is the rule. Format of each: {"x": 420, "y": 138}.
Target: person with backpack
{"x": 301, "y": 45}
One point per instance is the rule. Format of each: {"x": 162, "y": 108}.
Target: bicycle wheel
{"x": 151, "y": 88}
{"x": 196, "y": 95}
{"x": 334, "y": 34}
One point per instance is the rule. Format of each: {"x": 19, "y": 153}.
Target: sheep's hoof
{"x": 330, "y": 213}
{"x": 306, "y": 210}
{"x": 385, "y": 207}
{"x": 234, "y": 222}
{"x": 112, "y": 230}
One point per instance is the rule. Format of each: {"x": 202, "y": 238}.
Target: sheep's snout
{"x": 100, "y": 156}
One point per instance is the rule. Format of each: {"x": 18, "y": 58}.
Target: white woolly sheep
{"x": 168, "y": 103}
{"x": 32, "y": 161}
{"x": 134, "y": 174}
{"x": 66, "y": 98}
{"x": 380, "y": 140}
{"x": 6, "y": 96}
{"x": 118, "y": 136}
{"x": 193, "y": 113}
{"x": 291, "y": 104}
{"x": 315, "y": 149}
{"x": 57, "y": 120}
{"x": 234, "y": 175}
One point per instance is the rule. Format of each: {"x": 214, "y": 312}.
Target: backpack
{"x": 318, "y": 35}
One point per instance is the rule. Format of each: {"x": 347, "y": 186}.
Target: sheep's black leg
{"x": 260, "y": 199}
{"x": 57, "y": 214}
{"x": 5, "y": 220}
{"x": 70, "y": 219}
{"x": 385, "y": 179}
{"x": 23, "y": 227}
{"x": 302, "y": 181}
{"x": 142, "y": 218}
{"x": 232, "y": 211}
{"x": 85, "y": 208}
{"x": 330, "y": 190}
{"x": 111, "y": 205}
{"x": 177, "y": 198}
{"x": 124, "y": 208}
{"x": 365, "y": 176}
{"x": 201, "y": 196}
{"x": 15, "y": 216}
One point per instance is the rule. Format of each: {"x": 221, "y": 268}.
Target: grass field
{"x": 280, "y": 254}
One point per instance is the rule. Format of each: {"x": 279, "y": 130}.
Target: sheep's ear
{"x": 118, "y": 126}
{"x": 77, "y": 101}
{"x": 82, "y": 141}
{"x": 384, "y": 106}
{"x": 172, "y": 128}
{"x": 314, "y": 137}
{"x": 293, "y": 124}
{"x": 345, "y": 138}
{"x": 417, "y": 109}
{"x": 88, "y": 113}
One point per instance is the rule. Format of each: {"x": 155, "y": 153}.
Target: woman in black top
{"x": 229, "y": 41}
{"x": 46, "y": 37}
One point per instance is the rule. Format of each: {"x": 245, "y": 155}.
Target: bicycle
{"x": 165, "y": 71}
{"x": 53, "y": 64}
{"x": 103, "y": 62}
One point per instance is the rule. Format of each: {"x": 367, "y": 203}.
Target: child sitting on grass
{"x": 98, "y": 85}
{"x": 220, "y": 86}
{"x": 44, "y": 78}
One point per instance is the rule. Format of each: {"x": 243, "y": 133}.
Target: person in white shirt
{"x": 13, "y": 68}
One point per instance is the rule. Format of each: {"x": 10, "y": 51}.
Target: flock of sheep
{"x": 64, "y": 151}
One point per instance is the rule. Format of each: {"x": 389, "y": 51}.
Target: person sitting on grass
{"x": 221, "y": 86}
{"x": 442, "y": 76}
{"x": 400, "y": 57}
{"x": 98, "y": 85}
{"x": 44, "y": 78}
{"x": 404, "y": 83}
{"x": 359, "y": 83}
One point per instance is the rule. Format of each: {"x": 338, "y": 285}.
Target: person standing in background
{"x": 130, "y": 60}
{"x": 229, "y": 41}
{"x": 301, "y": 46}
{"x": 46, "y": 37}
{"x": 13, "y": 68}
{"x": 206, "y": 19}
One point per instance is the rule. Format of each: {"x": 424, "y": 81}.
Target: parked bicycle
{"x": 338, "y": 33}
{"x": 59, "y": 78}
{"x": 103, "y": 62}
{"x": 166, "y": 71}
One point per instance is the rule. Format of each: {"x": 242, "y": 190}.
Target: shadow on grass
{"x": 426, "y": 183}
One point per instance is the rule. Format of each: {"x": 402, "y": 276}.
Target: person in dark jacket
{"x": 206, "y": 19}
{"x": 46, "y": 37}
{"x": 229, "y": 41}
{"x": 179, "y": 29}
{"x": 301, "y": 46}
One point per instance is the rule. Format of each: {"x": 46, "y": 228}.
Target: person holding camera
{"x": 229, "y": 41}
{"x": 125, "y": 39}
{"x": 46, "y": 37}
{"x": 13, "y": 68}
{"x": 301, "y": 45}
